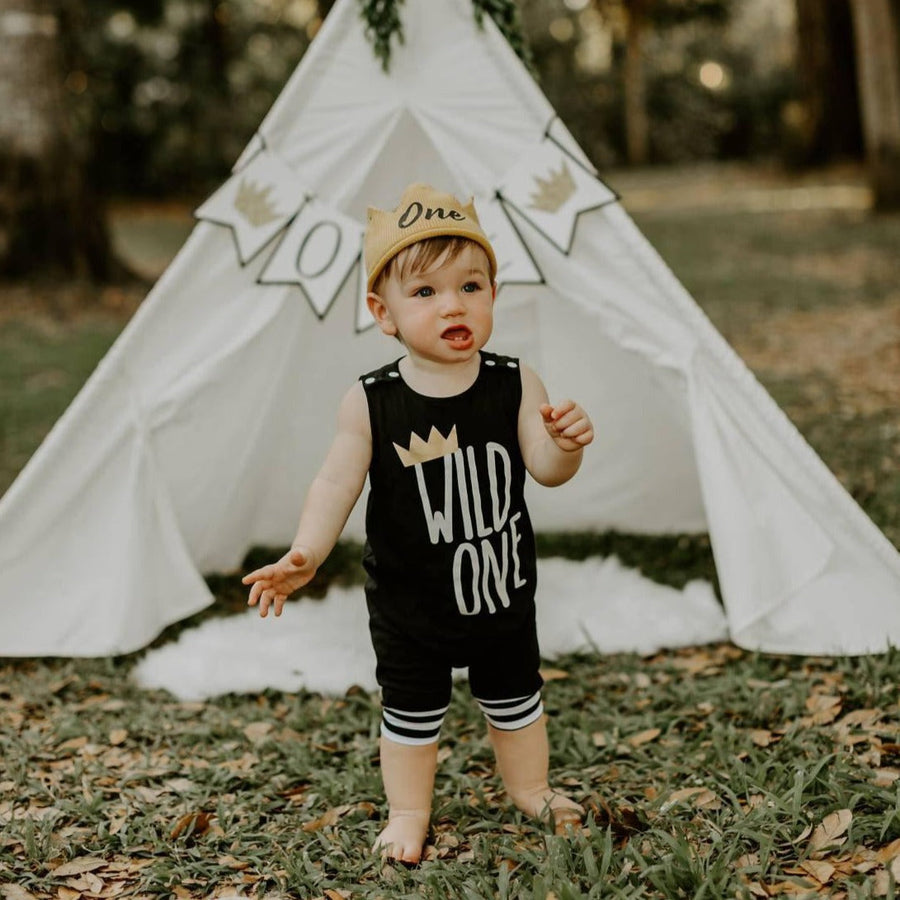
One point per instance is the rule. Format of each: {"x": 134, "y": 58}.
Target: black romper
{"x": 450, "y": 549}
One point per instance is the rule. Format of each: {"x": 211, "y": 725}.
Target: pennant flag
{"x": 255, "y": 203}
{"x": 551, "y": 189}
{"x": 560, "y": 135}
{"x": 256, "y": 145}
{"x": 317, "y": 253}
{"x": 515, "y": 264}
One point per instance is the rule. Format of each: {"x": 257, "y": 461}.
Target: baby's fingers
{"x": 268, "y": 599}
{"x": 558, "y": 412}
{"x": 256, "y": 575}
{"x": 256, "y": 592}
{"x": 582, "y": 434}
{"x": 576, "y": 427}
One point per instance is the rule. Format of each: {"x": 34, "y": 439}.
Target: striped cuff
{"x": 510, "y": 715}
{"x": 412, "y": 728}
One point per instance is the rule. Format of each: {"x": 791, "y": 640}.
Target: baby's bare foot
{"x": 545, "y": 803}
{"x": 404, "y": 836}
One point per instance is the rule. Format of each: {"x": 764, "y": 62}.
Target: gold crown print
{"x": 421, "y": 451}
{"x": 554, "y": 190}
{"x": 253, "y": 203}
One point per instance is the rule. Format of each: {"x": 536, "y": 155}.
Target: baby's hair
{"x": 422, "y": 255}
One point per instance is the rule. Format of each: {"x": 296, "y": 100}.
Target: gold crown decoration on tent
{"x": 554, "y": 190}
{"x": 253, "y": 203}
{"x": 423, "y": 451}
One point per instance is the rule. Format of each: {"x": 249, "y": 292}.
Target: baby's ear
{"x": 380, "y": 313}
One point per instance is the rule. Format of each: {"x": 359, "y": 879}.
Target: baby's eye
{"x": 471, "y": 286}
{"x": 425, "y": 292}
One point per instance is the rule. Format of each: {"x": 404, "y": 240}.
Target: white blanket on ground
{"x": 594, "y": 606}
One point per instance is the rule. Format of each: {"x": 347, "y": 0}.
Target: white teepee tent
{"x": 198, "y": 433}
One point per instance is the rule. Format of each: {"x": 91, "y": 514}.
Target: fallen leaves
{"x": 192, "y": 824}
{"x": 78, "y": 866}
{"x": 828, "y": 868}
{"x": 333, "y": 815}
{"x": 698, "y": 797}
{"x": 831, "y": 832}
{"x": 644, "y": 737}
{"x": 823, "y": 708}
{"x": 15, "y": 892}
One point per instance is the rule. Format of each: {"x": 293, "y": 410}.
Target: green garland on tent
{"x": 382, "y": 18}
{"x": 383, "y": 24}
{"x": 505, "y": 14}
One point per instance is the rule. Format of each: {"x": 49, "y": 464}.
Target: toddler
{"x": 445, "y": 435}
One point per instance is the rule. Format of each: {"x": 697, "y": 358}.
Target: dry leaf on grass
{"x": 193, "y": 824}
{"x": 825, "y": 708}
{"x": 762, "y": 737}
{"x": 623, "y": 821}
{"x": 820, "y": 869}
{"x": 78, "y": 866}
{"x": 885, "y": 777}
{"x": 332, "y": 816}
{"x": 790, "y": 888}
{"x": 831, "y": 831}
{"x": 862, "y": 718}
{"x": 699, "y": 796}
{"x": 889, "y": 852}
{"x": 554, "y": 674}
{"x": 257, "y": 732}
{"x": 15, "y": 892}
{"x": 883, "y": 879}
{"x": 644, "y": 737}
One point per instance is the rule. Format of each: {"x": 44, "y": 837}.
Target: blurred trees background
{"x": 159, "y": 97}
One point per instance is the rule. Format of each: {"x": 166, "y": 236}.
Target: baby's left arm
{"x": 551, "y": 437}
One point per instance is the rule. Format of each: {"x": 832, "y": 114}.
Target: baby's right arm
{"x": 329, "y": 502}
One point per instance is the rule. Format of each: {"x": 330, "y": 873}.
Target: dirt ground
{"x": 857, "y": 348}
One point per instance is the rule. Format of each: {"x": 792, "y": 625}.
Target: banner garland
{"x": 550, "y": 188}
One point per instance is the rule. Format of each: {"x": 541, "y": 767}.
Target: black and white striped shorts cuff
{"x": 412, "y": 728}
{"x": 510, "y": 715}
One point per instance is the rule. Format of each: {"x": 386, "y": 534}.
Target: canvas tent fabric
{"x": 200, "y": 430}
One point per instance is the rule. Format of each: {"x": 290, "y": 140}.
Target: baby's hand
{"x": 272, "y": 584}
{"x": 568, "y": 424}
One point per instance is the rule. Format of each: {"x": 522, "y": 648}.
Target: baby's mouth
{"x": 456, "y": 333}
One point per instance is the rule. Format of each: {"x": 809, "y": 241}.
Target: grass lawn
{"x": 708, "y": 772}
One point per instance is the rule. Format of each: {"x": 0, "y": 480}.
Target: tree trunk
{"x": 637, "y": 126}
{"x": 828, "y": 83}
{"x": 877, "y": 31}
{"x": 51, "y": 223}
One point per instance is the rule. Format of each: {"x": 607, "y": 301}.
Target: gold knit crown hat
{"x": 423, "y": 212}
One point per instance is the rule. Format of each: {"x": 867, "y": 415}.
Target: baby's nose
{"x": 452, "y": 303}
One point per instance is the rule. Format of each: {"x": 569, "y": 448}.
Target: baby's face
{"x": 444, "y": 315}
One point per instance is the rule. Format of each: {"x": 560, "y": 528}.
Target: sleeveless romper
{"x": 449, "y": 552}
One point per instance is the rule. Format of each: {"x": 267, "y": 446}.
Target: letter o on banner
{"x": 322, "y": 242}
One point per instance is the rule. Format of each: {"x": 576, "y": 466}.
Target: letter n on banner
{"x": 316, "y": 253}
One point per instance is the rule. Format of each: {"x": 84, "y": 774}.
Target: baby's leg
{"x": 409, "y": 742}
{"x": 416, "y": 686}
{"x": 523, "y": 759}
{"x": 408, "y": 775}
